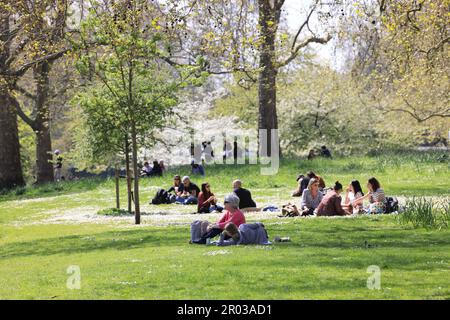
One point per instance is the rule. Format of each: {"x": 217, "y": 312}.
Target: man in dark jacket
{"x": 246, "y": 202}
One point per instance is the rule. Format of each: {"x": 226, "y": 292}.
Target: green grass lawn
{"x": 45, "y": 230}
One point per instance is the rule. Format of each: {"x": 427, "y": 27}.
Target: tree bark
{"x": 10, "y": 166}
{"x": 137, "y": 209}
{"x": 127, "y": 169}
{"x": 116, "y": 176}
{"x": 268, "y": 22}
{"x": 42, "y": 125}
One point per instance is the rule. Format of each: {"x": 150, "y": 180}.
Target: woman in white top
{"x": 354, "y": 192}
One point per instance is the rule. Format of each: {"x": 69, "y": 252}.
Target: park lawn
{"x": 326, "y": 259}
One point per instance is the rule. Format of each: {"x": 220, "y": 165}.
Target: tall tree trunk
{"x": 127, "y": 169}
{"x": 137, "y": 209}
{"x": 117, "y": 180}
{"x": 267, "y": 91}
{"x": 10, "y": 166}
{"x": 42, "y": 125}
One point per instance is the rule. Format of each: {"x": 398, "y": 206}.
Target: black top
{"x": 304, "y": 184}
{"x": 326, "y": 153}
{"x": 156, "y": 170}
{"x": 59, "y": 161}
{"x": 180, "y": 188}
{"x": 245, "y": 198}
{"x": 192, "y": 186}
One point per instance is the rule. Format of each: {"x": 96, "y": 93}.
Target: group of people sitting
{"x": 317, "y": 200}
{"x": 157, "y": 169}
{"x": 187, "y": 192}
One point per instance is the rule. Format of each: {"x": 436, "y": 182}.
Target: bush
{"x": 425, "y": 213}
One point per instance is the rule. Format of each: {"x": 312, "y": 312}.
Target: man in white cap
{"x": 58, "y": 165}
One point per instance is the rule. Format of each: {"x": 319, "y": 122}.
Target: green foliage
{"x": 239, "y": 102}
{"x": 425, "y": 213}
{"x": 133, "y": 89}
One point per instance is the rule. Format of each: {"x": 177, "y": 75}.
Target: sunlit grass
{"x": 327, "y": 257}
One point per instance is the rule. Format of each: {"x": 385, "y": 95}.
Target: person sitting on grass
{"x": 156, "y": 170}
{"x": 207, "y": 202}
{"x": 197, "y": 169}
{"x": 247, "y": 233}
{"x": 246, "y": 202}
{"x": 298, "y": 192}
{"x": 311, "y": 198}
{"x": 325, "y": 152}
{"x": 146, "y": 169}
{"x": 331, "y": 203}
{"x": 319, "y": 179}
{"x": 231, "y": 214}
{"x": 376, "y": 197}
{"x": 162, "y": 166}
{"x": 354, "y": 192}
{"x": 177, "y": 186}
{"x": 189, "y": 193}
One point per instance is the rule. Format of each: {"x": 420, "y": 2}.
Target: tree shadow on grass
{"x": 342, "y": 239}
{"x": 113, "y": 240}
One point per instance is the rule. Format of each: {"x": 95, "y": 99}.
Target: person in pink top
{"x": 231, "y": 214}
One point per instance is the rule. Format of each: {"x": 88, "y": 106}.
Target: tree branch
{"x": 54, "y": 56}
{"x": 23, "y": 116}
{"x": 295, "y": 52}
{"x": 24, "y": 92}
{"x": 301, "y": 27}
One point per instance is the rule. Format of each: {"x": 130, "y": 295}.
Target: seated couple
{"x": 186, "y": 191}
{"x": 232, "y": 227}
{"x": 375, "y": 195}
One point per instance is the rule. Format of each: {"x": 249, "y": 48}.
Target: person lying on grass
{"x": 207, "y": 201}
{"x": 331, "y": 203}
{"x": 247, "y": 233}
{"x": 354, "y": 192}
{"x": 376, "y": 197}
{"x": 231, "y": 214}
{"x": 246, "y": 202}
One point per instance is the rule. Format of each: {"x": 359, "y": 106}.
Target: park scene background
{"x": 112, "y": 84}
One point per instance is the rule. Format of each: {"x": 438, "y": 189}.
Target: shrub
{"x": 423, "y": 212}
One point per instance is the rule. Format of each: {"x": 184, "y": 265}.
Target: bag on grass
{"x": 161, "y": 197}
{"x": 391, "y": 204}
{"x": 198, "y": 229}
{"x": 171, "y": 198}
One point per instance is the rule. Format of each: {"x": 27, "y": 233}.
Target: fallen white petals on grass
{"x": 262, "y": 247}
{"x": 216, "y": 252}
